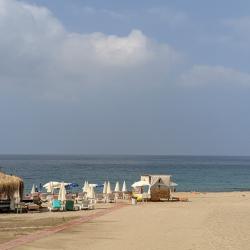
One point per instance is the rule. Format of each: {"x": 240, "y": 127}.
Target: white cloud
{"x": 38, "y": 55}
{"x": 36, "y": 50}
{"x": 214, "y": 75}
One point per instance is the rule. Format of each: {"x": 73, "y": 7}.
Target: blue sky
{"x": 125, "y": 77}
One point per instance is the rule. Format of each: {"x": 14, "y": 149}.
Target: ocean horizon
{"x": 192, "y": 173}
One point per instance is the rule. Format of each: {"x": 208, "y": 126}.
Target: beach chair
{"x": 118, "y": 195}
{"x": 69, "y": 205}
{"x": 100, "y": 198}
{"x": 145, "y": 197}
{"x": 111, "y": 198}
{"x": 85, "y": 204}
{"x": 4, "y": 205}
{"x": 36, "y": 199}
{"x": 69, "y": 196}
{"x": 92, "y": 203}
{"x": 127, "y": 195}
{"x": 55, "y": 205}
{"x": 88, "y": 204}
{"x": 80, "y": 197}
{"x": 32, "y": 207}
{"x": 43, "y": 197}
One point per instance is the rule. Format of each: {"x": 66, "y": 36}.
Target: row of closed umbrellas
{"x": 107, "y": 189}
{"x": 88, "y": 188}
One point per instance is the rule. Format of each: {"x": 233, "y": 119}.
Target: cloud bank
{"x": 36, "y": 50}
{"x": 38, "y": 53}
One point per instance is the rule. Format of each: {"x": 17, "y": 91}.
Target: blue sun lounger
{"x": 55, "y": 205}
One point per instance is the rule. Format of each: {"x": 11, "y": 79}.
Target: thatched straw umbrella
{"x": 11, "y": 185}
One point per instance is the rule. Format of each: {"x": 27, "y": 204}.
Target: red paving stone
{"x": 47, "y": 232}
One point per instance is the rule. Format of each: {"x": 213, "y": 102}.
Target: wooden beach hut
{"x": 159, "y": 186}
{"x": 11, "y": 190}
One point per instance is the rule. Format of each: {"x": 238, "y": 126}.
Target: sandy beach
{"x": 208, "y": 221}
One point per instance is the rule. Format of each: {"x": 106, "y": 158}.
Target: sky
{"x": 125, "y": 77}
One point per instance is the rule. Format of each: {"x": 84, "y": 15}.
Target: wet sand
{"x": 208, "y": 221}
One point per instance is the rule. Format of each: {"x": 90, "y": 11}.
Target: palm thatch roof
{"x": 9, "y": 184}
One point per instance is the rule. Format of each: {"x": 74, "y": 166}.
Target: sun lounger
{"x": 92, "y": 204}
{"x": 69, "y": 196}
{"x": 80, "y": 197}
{"x": 100, "y": 198}
{"x": 85, "y": 204}
{"x": 4, "y": 205}
{"x": 145, "y": 197}
{"x": 69, "y": 205}
{"x": 32, "y": 207}
{"x": 118, "y": 195}
{"x": 127, "y": 195}
{"x": 55, "y": 205}
{"x": 43, "y": 197}
{"x": 36, "y": 199}
{"x": 111, "y": 198}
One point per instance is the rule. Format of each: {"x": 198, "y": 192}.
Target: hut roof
{"x": 9, "y": 184}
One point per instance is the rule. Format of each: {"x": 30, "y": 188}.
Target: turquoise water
{"x": 199, "y": 173}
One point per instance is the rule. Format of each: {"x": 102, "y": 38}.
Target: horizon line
{"x": 121, "y": 154}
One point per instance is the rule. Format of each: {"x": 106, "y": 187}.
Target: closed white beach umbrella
{"x": 62, "y": 193}
{"x": 33, "y": 189}
{"x": 50, "y": 188}
{"x": 91, "y": 192}
{"x": 149, "y": 190}
{"x": 84, "y": 189}
{"x": 104, "y": 191}
{"x": 117, "y": 187}
{"x": 87, "y": 186}
{"x": 124, "y": 187}
{"x": 109, "y": 191}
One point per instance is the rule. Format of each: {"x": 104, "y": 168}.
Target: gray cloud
{"x": 38, "y": 51}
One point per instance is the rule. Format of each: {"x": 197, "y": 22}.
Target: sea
{"x": 191, "y": 173}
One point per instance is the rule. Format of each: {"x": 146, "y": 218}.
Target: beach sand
{"x": 16, "y": 225}
{"x": 208, "y": 221}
